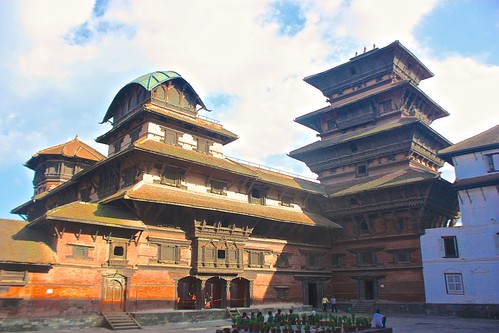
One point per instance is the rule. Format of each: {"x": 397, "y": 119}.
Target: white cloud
{"x": 466, "y": 89}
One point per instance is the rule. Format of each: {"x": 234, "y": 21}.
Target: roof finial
{"x": 76, "y": 137}
{"x": 364, "y": 49}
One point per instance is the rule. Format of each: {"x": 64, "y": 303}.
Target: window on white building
{"x": 454, "y": 283}
{"x": 448, "y": 247}
{"x": 493, "y": 162}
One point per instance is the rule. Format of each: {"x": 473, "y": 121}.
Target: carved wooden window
{"x": 134, "y": 136}
{"x": 387, "y": 106}
{"x": 218, "y": 187}
{"x": 454, "y": 283}
{"x": 129, "y": 176}
{"x": 366, "y": 258}
{"x": 336, "y": 260}
{"x": 80, "y": 251}
{"x": 256, "y": 259}
{"x": 283, "y": 260}
{"x": 168, "y": 253}
{"x": 221, "y": 254}
{"x": 331, "y": 124}
{"x": 203, "y": 146}
{"x": 402, "y": 257}
{"x": 172, "y": 176}
{"x": 312, "y": 205}
{"x": 108, "y": 183}
{"x": 282, "y": 292}
{"x": 13, "y": 278}
{"x": 170, "y": 137}
{"x": 53, "y": 168}
{"x": 286, "y": 201}
{"x": 118, "y": 252}
{"x": 361, "y": 170}
{"x": 364, "y": 227}
{"x": 85, "y": 194}
{"x": 117, "y": 146}
{"x": 173, "y": 96}
{"x": 257, "y": 196}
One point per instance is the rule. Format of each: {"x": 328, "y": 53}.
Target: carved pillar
{"x": 227, "y": 294}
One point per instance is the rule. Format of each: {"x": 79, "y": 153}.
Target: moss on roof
{"x": 22, "y": 245}
{"x": 92, "y": 213}
{"x": 173, "y": 196}
{"x": 483, "y": 141}
{"x": 208, "y": 125}
{"x": 166, "y": 149}
{"x": 71, "y": 149}
{"x": 398, "y": 178}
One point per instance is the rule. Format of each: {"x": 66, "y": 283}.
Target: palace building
{"x": 166, "y": 221}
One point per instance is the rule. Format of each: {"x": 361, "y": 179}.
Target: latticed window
{"x": 402, "y": 257}
{"x": 256, "y": 259}
{"x": 218, "y": 187}
{"x": 286, "y": 201}
{"x": 108, "y": 184}
{"x": 203, "y": 146}
{"x": 80, "y": 251}
{"x": 168, "y": 253}
{"x": 454, "y": 283}
{"x": 172, "y": 176}
{"x": 170, "y": 137}
{"x": 129, "y": 176}
{"x": 366, "y": 258}
{"x": 8, "y": 277}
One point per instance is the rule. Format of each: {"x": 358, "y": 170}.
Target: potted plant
{"x": 307, "y": 328}
{"x": 298, "y": 328}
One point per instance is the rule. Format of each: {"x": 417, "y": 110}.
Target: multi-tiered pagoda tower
{"x": 377, "y": 159}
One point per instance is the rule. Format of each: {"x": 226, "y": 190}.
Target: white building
{"x": 461, "y": 264}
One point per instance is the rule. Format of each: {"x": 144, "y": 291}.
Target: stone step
{"x": 121, "y": 321}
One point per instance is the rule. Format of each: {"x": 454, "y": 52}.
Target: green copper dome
{"x": 154, "y": 79}
{"x": 149, "y": 82}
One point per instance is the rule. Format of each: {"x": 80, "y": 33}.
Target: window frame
{"x": 10, "y": 277}
{"x": 446, "y": 247}
{"x": 450, "y": 286}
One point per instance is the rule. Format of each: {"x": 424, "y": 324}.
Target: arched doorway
{"x": 188, "y": 293}
{"x": 239, "y": 293}
{"x": 215, "y": 293}
{"x": 113, "y": 297}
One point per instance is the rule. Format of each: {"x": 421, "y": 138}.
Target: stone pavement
{"x": 399, "y": 324}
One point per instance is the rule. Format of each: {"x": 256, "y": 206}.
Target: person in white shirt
{"x": 379, "y": 320}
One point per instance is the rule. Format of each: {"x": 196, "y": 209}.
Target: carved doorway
{"x": 215, "y": 293}
{"x": 188, "y": 293}
{"x": 113, "y": 293}
{"x": 313, "y": 298}
{"x": 368, "y": 289}
{"x": 239, "y": 293}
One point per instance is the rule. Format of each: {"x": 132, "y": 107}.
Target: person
{"x": 324, "y": 303}
{"x": 334, "y": 308}
{"x": 269, "y": 318}
{"x": 379, "y": 320}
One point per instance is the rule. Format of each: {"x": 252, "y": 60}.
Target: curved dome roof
{"x": 149, "y": 82}
{"x": 154, "y": 79}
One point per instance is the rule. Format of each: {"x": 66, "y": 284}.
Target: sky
{"x": 62, "y": 62}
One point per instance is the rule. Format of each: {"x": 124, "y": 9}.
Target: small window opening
{"x": 221, "y": 254}
{"x": 119, "y": 251}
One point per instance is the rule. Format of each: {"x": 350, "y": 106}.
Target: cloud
{"x": 466, "y": 89}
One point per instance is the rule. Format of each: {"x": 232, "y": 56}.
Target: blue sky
{"x": 63, "y": 61}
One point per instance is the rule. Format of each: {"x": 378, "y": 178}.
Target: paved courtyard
{"x": 399, "y": 324}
